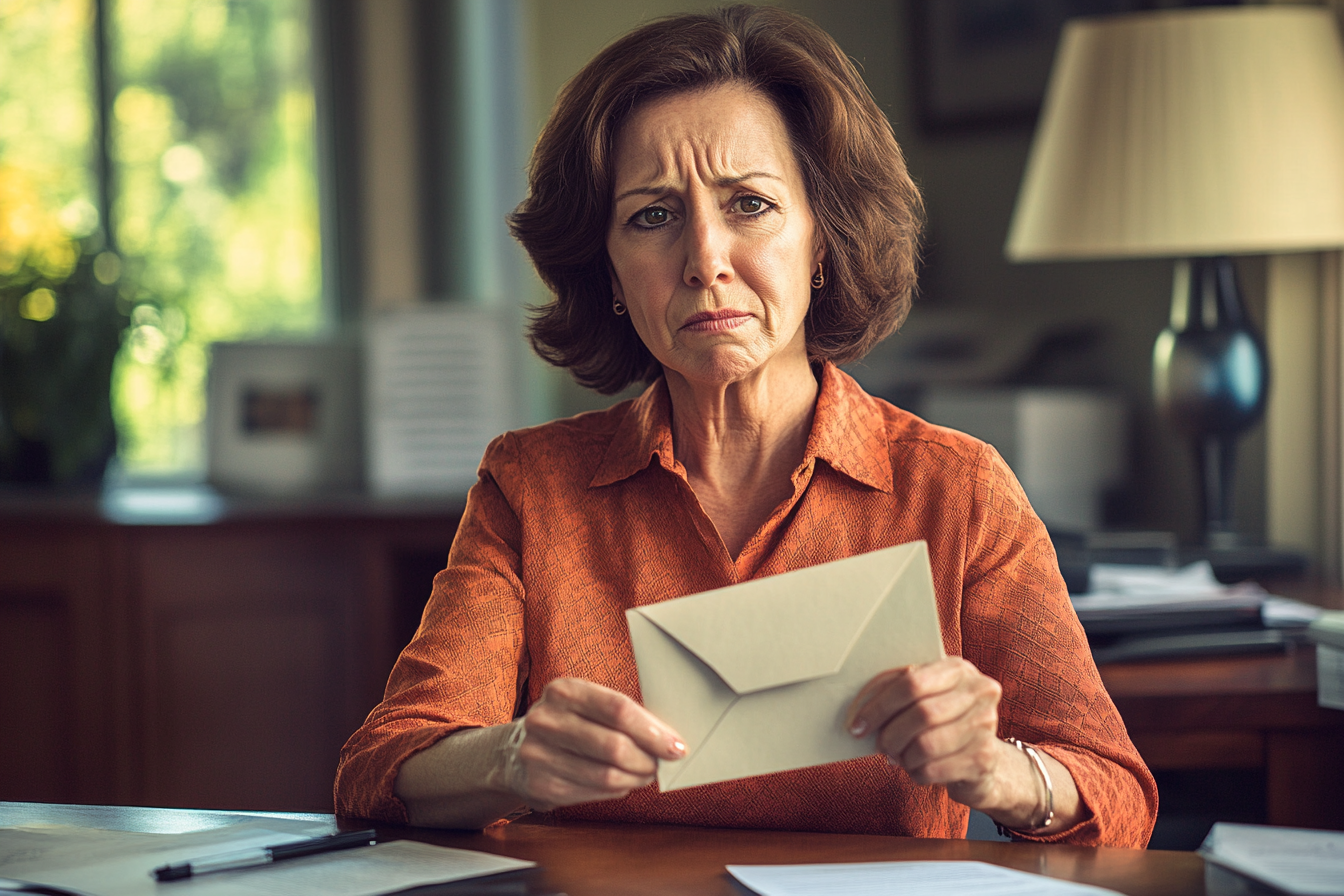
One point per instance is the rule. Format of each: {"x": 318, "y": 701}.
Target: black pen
{"x": 261, "y": 855}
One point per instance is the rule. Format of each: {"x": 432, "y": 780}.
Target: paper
{"x": 756, "y": 677}
{"x": 1122, "y": 587}
{"x": 905, "y": 878}
{"x": 1297, "y": 861}
{"x": 1123, "y": 596}
{"x": 1329, "y": 677}
{"x": 438, "y": 389}
{"x": 119, "y": 864}
{"x": 1284, "y": 612}
{"x": 57, "y": 845}
{"x": 1328, "y": 628}
{"x": 1126, "y": 578}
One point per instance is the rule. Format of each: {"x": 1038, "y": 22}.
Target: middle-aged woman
{"x": 722, "y": 211}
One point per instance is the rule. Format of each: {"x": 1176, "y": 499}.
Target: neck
{"x": 746, "y": 436}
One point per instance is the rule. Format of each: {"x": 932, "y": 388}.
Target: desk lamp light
{"x": 1194, "y": 134}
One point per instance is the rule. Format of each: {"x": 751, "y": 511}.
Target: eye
{"x": 651, "y": 217}
{"x": 751, "y": 205}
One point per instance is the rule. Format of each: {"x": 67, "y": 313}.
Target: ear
{"x": 820, "y": 254}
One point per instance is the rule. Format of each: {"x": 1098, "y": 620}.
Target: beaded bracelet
{"x": 1044, "y": 775}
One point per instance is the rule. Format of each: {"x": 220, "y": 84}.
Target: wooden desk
{"x": 605, "y": 860}
{"x": 1240, "y": 712}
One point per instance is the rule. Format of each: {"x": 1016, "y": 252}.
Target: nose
{"x": 708, "y": 252}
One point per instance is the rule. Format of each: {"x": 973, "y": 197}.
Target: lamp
{"x": 1195, "y": 134}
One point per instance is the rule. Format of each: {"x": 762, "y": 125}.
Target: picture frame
{"x": 284, "y": 417}
{"x": 985, "y": 63}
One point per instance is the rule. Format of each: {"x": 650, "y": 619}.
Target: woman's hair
{"x": 866, "y": 209}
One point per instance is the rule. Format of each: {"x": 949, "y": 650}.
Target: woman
{"x": 722, "y": 210}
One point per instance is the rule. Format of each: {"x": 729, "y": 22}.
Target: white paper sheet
{"x": 365, "y": 871}
{"x": 1295, "y": 860}
{"x": 905, "y": 878}
{"x": 438, "y": 389}
{"x": 40, "y": 846}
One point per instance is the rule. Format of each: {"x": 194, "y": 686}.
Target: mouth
{"x": 714, "y": 321}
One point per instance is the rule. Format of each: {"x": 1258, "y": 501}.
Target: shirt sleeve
{"x": 1019, "y": 627}
{"x": 464, "y": 668}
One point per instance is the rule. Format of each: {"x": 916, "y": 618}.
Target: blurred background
{"x": 274, "y": 169}
{"x": 259, "y": 314}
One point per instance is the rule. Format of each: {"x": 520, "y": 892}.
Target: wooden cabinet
{"x": 1246, "y": 712}
{"x": 219, "y": 665}
{"x": 60, "y": 618}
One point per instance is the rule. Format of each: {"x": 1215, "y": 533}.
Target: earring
{"x": 819, "y": 278}
{"x": 617, "y": 306}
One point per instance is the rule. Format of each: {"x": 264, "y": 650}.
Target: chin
{"x": 721, "y": 367}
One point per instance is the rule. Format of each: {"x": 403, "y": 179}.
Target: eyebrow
{"x": 656, "y": 190}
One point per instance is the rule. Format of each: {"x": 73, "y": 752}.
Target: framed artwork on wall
{"x": 985, "y": 63}
{"x": 284, "y": 417}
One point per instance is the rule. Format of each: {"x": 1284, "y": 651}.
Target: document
{"x": 757, "y": 677}
{"x": 116, "y": 863}
{"x": 1120, "y": 592}
{"x": 1295, "y": 860}
{"x": 437, "y": 390}
{"x": 905, "y": 878}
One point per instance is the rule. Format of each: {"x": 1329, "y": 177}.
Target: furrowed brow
{"x": 658, "y": 190}
{"x": 653, "y": 190}
{"x": 734, "y": 181}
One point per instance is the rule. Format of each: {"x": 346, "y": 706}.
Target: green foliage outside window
{"x": 215, "y": 205}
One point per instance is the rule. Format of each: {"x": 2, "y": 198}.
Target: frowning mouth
{"x": 713, "y": 321}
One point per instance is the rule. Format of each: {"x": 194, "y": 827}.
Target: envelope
{"x": 756, "y": 677}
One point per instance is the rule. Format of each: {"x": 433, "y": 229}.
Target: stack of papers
{"x": 92, "y": 862}
{"x": 1122, "y": 596}
{"x": 1296, "y": 861}
{"x": 1142, "y": 612}
{"x": 1328, "y": 633}
{"x": 905, "y": 878}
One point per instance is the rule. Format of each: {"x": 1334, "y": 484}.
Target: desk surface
{"x": 602, "y": 859}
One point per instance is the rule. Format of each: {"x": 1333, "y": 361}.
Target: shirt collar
{"x": 848, "y": 433}
{"x": 645, "y": 431}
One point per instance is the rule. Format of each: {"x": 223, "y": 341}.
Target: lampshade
{"x": 1188, "y": 133}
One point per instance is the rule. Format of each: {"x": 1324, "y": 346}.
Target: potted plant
{"x": 62, "y": 316}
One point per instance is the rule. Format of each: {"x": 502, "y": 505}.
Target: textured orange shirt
{"x": 573, "y": 522}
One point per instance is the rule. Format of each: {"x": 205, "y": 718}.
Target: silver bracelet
{"x": 1044, "y": 774}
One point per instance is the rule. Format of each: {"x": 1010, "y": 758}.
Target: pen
{"x": 248, "y": 858}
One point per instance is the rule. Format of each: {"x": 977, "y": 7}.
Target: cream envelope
{"x": 756, "y": 677}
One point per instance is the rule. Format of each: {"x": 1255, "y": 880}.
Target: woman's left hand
{"x": 939, "y": 721}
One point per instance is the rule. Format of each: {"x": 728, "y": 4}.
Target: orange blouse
{"x": 575, "y": 521}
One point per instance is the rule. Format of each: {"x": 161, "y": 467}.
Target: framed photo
{"x": 982, "y": 63}
{"x": 283, "y": 417}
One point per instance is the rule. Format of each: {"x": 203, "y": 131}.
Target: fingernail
{"x": 858, "y": 727}
{"x": 679, "y": 748}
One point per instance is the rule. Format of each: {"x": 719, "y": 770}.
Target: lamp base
{"x": 1210, "y": 381}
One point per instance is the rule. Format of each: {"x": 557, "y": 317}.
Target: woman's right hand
{"x": 583, "y": 742}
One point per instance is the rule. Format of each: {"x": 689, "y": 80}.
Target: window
{"x": 212, "y": 185}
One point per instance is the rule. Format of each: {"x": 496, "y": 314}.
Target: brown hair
{"x": 867, "y": 210}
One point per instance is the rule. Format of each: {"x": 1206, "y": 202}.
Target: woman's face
{"x": 711, "y": 242}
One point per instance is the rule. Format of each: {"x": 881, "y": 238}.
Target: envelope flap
{"x": 788, "y": 628}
